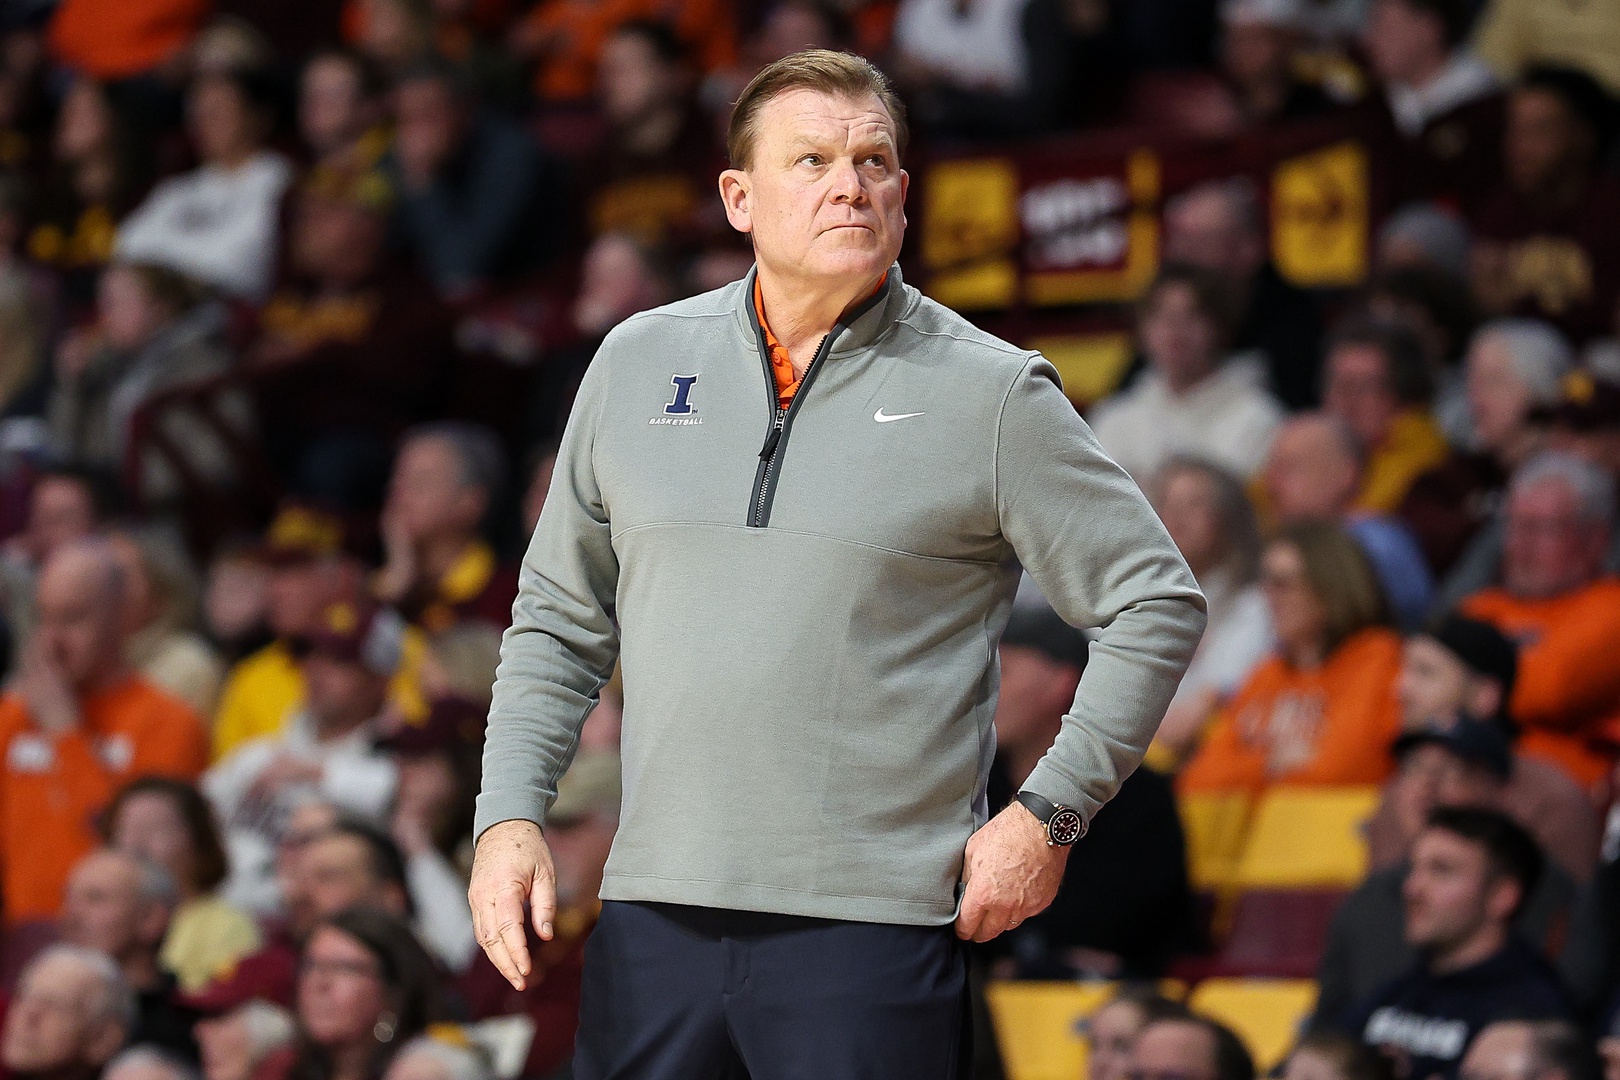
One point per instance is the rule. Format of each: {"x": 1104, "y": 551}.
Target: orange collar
{"x": 787, "y": 383}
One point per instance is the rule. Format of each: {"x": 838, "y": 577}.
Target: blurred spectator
{"x": 365, "y": 988}
{"x": 162, "y": 609}
{"x": 1329, "y": 1055}
{"x": 474, "y": 190}
{"x": 1586, "y": 423}
{"x": 218, "y": 223}
{"x": 229, "y": 44}
{"x": 1219, "y": 225}
{"x": 394, "y": 34}
{"x": 64, "y": 504}
{"x": 1444, "y": 102}
{"x": 341, "y": 111}
{"x": 1436, "y": 307}
{"x": 1376, "y": 381}
{"x": 1515, "y": 367}
{"x": 1259, "y": 51}
{"x": 1471, "y": 872}
{"x": 117, "y": 39}
{"x": 28, "y": 304}
{"x": 539, "y": 486}
{"x": 427, "y": 1058}
{"x": 1547, "y": 243}
{"x": 234, "y": 605}
{"x": 1424, "y": 234}
{"x": 1564, "y": 612}
{"x": 1127, "y": 931}
{"x": 1313, "y": 474}
{"x": 1111, "y": 1032}
{"x": 76, "y": 724}
{"x": 70, "y": 1014}
{"x": 1191, "y": 398}
{"x": 1209, "y": 517}
{"x": 440, "y": 570}
{"x": 170, "y": 824}
{"x": 1458, "y": 761}
{"x": 1554, "y": 1049}
{"x": 235, "y": 1044}
{"x": 325, "y": 751}
{"x": 787, "y": 28}
{"x": 565, "y": 38}
{"x": 1190, "y": 1048}
{"x": 153, "y": 332}
{"x": 1514, "y": 35}
{"x": 149, "y": 1062}
{"x": 120, "y": 905}
{"x": 1323, "y": 710}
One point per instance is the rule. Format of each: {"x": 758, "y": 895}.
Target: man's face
{"x": 428, "y": 495}
{"x": 52, "y": 1022}
{"x": 427, "y": 123}
{"x": 1430, "y": 775}
{"x": 1549, "y": 549}
{"x": 59, "y": 510}
{"x": 1447, "y": 892}
{"x": 226, "y": 1047}
{"x": 824, "y": 197}
{"x": 1433, "y": 683}
{"x": 102, "y": 908}
{"x": 1542, "y": 141}
{"x": 1358, "y": 391}
{"x": 1498, "y": 399}
{"x": 1503, "y": 1051}
{"x": 296, "y": 593}
{"x": 80, "y": 627}
{"x": 1402, "y": 41}
{"x": 1110, "y": 1035}
{"x": 1173, "y": 1050}
{"x": 632, "y": 80}
{"x": 1180, "y": 340}
{"x": 1203, "y": 228}
{"x": 341, "y": 693}
{"x": 330, "y": 104}
{"x": 334, "y": 873}
{"x": 1308, "y": 475}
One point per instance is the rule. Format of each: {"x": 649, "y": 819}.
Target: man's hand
{"x": 1010, "y": 872}
{"x": 512, "y": 864}
{"x": 44, "y": 689}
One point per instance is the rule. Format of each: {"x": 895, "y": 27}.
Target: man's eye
{"x": 811, "y": 159}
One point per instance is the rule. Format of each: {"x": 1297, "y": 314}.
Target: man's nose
{"x": 846, "y": 183}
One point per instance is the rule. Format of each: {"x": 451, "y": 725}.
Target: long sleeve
{"x": 1086, "y": 535}
{"x": 562, "y": 644}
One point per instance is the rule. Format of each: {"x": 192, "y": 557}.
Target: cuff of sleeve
{"x": 1047, "y": 782}
{"x": 494, "y": 807}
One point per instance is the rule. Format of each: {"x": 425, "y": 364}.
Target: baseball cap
{"x": 1044, "y": 629}
{"x": 1482, "y": 742}
{"x": 1483, "y": 648}
{"x": 361, "y": 633}
{"x": 593, "y": 784}
{"x": 300, "y": 533}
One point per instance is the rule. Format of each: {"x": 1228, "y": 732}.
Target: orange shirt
{"x": 1569, "y": 670}
{"x": 52, "y": 789}
{"x": 1333, "y": 725}
{"x": 574, "y": 32}
{"x": 114, "y": 39}
{"x": 787, "y": 383}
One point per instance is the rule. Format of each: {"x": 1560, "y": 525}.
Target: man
{"x": 1444, "y": 105}
{"x": 1132, "y": 928}
{"x": 806, "y": 599}
{"x": 440, "y": 569}
{"x": 328, "y": 750}
{"x": 1314, "y": 473}
{"x": 63, "y": 505}
{"x": 1563, "y": 610}
{"x": 1531, "y": 1050}
{"x": 1189, "y": 1048}
{"x": 1376, "y": 381}
{"x": 69, "y": 1016}
{"x": 120, "y": 905}
{"x": 1219, "y": 225}
{"x": 75, "y": 726}
{"x": 1471, "y": 872}
{"x": 1451, "y": 760}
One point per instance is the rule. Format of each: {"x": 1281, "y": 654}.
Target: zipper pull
{"x": 774, "y": 437}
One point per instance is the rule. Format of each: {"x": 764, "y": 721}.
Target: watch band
{"x": 1063, "y": 824}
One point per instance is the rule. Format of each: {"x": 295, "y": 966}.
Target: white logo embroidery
{"x": 883, "y": 418}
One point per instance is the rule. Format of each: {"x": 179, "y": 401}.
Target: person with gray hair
{"x": 75, "y": 725}
{"x": 1424, "y": 234}
{"x": 1558, "y": 601}
{"x": 1219, "y": 225}
{"x": 235, "y": 1044}
{"x": 120, "y": 905}
{"x": 1545, "y": 1049}
{"x": 71, "y": 1013}
{"x": 440, "y": 569}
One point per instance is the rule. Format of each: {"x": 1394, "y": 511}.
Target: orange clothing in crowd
{"x": 574, "y": 32}
{"x": 1413, "y": 446}
{"x": 52, "y": 789}
{"x": 1332, "y": 725}
{"x": 1569, "y": 683}
{"x": 114, "y": 39}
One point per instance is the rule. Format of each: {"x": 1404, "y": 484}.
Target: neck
{"x": 438, "y": 554}
{"x": 1485, "y": 943}
{"x": 1180, "y": 381}
{"x": 803, "y": 311}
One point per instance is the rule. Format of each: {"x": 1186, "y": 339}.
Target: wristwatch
{"x": 1063, "y": 824}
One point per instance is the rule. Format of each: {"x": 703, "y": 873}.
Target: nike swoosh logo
{"x": 883, "y": 418}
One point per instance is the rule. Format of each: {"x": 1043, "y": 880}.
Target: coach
{"x": 794, "y": 510}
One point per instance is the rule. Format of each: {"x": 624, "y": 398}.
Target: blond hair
{"x": 836, "y": 74}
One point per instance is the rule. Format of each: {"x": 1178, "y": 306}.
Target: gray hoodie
{"x": 807, "y": 605}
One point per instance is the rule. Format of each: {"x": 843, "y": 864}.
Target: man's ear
{"x": 1504, "y": 896}
{"x": 735, "y": 188}
{"x": 905, "y": 188}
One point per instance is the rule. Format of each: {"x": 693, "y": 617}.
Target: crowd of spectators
{"x": 294, "y": 297}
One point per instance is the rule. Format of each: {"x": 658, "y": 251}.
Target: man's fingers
{"x": 971, "y": 915}
{"x": 543, "y": 905}
{"x": 495, "y": 949}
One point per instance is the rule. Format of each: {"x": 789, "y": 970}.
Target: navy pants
{"x": 686, "y": 993}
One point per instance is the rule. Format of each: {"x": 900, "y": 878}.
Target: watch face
{"x": 1065, "y": 827}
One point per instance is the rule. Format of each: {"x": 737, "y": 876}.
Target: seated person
{"x": 1562, "y": 609}
{"x": 1314, "y": 473}
{"x": 1190, "y": 398}
{"x": 218, "y": 223}
{"x": 64, "y": 504}
{"x": 1471, "y": 872}
{"x": 1461, "y": 762}
{"x": 162, "y": 646}
{"x": 1323, "y": 709}
{"x": 1111, "y": 1032}
{"x": 70, "y": 1013}
{"x": 237, "y": 1042}
{"x": 1190, "y": 1046}
{"x": 1375, "y": 380}
{"x": 75, "y": 725}
{"x": 1549, "y": 1049}
{"x": 440, "y": 570}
